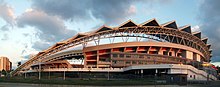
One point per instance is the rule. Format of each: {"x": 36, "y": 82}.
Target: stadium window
{"x": 121, "y": 55}
{"x": 114, "y": 61}
{"x": 108, "y": 59}
{"x": 121, "y": 49}
{"x": 115, "y": 55}
{"x": 120, "y": 61}
{"x": 164, "y": 53}
{"x": 140, "y": 62}
{"x": 179, "y": 55}
{"x": 128, "y": 62}
{"x": 141, "y": 56}
{"x": 146, "y": 62}
{"x": 170, "y": 53}
{"x": 135, "y": 56}
{"x": 101, "y": 59}
{"x": 128, "y": 56}
{"x": 134, "y": 62}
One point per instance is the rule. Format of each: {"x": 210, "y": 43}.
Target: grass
{"x": 80, "y": 82}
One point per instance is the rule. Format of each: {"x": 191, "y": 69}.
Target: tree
{"x": 4, "y": 72}
{"x": 19, "y": 63}
{"x": 218, "y": 69}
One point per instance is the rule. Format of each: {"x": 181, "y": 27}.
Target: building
{"x": 129, "y": 50}
{"x": 5, "y": 64}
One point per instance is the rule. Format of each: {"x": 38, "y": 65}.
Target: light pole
{"x": 208, "y": 75}
{"x": 49, "y": 72}
{"x": 25, "y": 76}
{"x": 80, "y": 67}
{"x": 155, "y": 78}
{"x": 64, "y": 74}
{"x": 108, "y": 72}
{"x": 39, "y": 69}
{"x": 181, "y": 80}
{"x": 109, "y": 67}
{"x": 89, "y": 72}
{"x": 78, "y": 71}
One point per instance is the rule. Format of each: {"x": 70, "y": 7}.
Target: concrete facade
{"x": 5, "y": 64}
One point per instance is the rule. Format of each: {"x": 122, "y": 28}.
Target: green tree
{"x": 218, "y": 69}
{"x": 4, "y": 72}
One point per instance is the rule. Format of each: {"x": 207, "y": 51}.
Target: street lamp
{"x": 39, "y": 68}
{"x": 109, "y": 67}
{"x": 108, "y": 72}
{"x": 155, "y": 78}
{"x": 89, "y": 68}
{"x": 64, "y": 74}
{"x": 49, "y": 72}
{"x": 25, "y": 76}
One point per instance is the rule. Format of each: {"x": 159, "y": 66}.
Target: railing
{"x": 103, "y": 62}
{"x": 180, "y": 67}
{"x": 152, "y": 58}
{"x": 79, "y": 69}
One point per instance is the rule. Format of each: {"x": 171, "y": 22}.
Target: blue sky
{"x": 29, "y": 26}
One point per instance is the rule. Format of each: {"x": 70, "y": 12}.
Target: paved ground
{"x": 2, "y": 84}
{"x": 46, "y": 85}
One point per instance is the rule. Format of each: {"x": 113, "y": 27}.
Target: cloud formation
{"x": 5, "y": 27}
{"x": 68, "y": 9}
{"x": 6, "y": 12}
{"x": 107, "y": 10}
{"x": 196, "y": 28}
{"x": 5, "y": 37}
{"x": 41, "y": 45}
{"x": 210, "y": 19}
{"x": 50, "y": 29}
{"x": 48, "y": 16}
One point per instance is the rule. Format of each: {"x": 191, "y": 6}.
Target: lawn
{"x": 80, "y": 81}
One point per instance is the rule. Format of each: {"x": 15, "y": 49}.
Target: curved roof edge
{"x": 152, "y": 22}
{"x": 186, "y": 28}
{"x": 209, "y": 46}
{"x": 103, "y": 28}
{"x": 197, "y": 34}
{"x": 171, "y": 24}
{"x": 128, "y": 23}
{"x": 205, "y": 40}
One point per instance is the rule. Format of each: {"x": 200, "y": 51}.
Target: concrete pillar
{"x": 97, "y": 60}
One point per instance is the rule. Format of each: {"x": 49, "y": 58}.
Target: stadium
{"x": 127, "y": 51}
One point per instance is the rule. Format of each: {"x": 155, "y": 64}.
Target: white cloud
{"x": 196, "y": 28}
{"x": 210, "y": 24}
{"x": 50, "y": 29}
{"x": 7, "y": 13}
{"x": 110, "y": 11}
{"x": 5, "y": 37}
{"x": 132, "y": 9}
{"x": 29, "y": 10}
